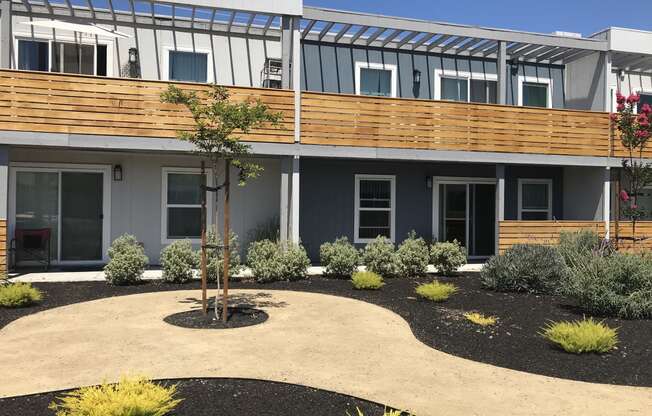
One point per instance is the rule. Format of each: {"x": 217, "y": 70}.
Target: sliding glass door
{"x": 465, "y": 211}
{"x": 70, "y": 203}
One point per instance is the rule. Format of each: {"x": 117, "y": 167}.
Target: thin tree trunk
{"x": 227, "y": 232}
{"x": 204, "y": 303}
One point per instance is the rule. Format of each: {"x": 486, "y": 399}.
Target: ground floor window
{"x": 375, "y": 197}
{"x": 534, "y": 199}
{"x": 181, "y": 204}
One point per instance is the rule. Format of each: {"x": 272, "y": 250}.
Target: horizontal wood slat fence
{"x": 57, "y": 103}
{"x": 547, "y": 232}
{"x": 352, "y": 120}
{"x": 62, "y": 103}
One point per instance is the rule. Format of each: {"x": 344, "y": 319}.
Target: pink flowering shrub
{"x": 635, "y": 128}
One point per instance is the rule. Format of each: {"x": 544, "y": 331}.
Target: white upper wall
{"x": 629, "y": 40}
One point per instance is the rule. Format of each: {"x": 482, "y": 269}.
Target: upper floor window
{"x": 69, "y": 58}
{"x": 188, "y": 66}
{"x": 375, "y": 79}
{"x": 646, "y": 98}
{"x": 534, "y": 199}
{"x": 465, "y": 87}
{"x": 535, "y": 92}
{"x": 375, "y": 197}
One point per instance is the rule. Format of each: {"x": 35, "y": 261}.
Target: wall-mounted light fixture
{"x": 416, "y": 76}
{"x": 429, "y": 182}
{"x": 133, "y": 55}
{"x": 117, "y": 173}
{"x": 621, "y": 74}
{"x": 133, "y": 63}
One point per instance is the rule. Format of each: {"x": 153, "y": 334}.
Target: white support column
{"x": 294, "y": 201}
{"x": 5, "y": 34}
{"x": 286, "y": 50}
{"x": 4, "y": 204}
{"x": 502, "y": 72}
{"x": 296, "y": 77}
{"x": 500, "y": 201}
{"x": 284, "y": 211}
{"x": 606, "y": 203}
{"x": 606, "y": 75}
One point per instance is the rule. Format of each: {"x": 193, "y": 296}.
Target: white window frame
{"x": 165, "y": 171}
{"x": 468, "y": 76}
{"x": 371, "y": 65}
{"x": 58, "y": 168}
{"x": 392, "y": 206}
{"x": 522, "y": 79}
{"x": 210, "y": 76}
{"x": 68, "y": 39}
{"x": 524, "y": 181}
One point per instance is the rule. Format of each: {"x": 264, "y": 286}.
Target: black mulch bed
{"x": 513, "y": 343}
{"x": 228, "y": 397}
{"x": 239, "y": 317}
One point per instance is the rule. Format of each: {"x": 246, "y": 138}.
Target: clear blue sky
{"x": 584, "y": 16}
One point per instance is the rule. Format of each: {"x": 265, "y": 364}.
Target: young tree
{"x": 219, "y": 123}
{"x": 635, "y": 129}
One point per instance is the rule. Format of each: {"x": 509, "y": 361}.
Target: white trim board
{"x": 371, "y": 65}
{"x": 356, "y": 209}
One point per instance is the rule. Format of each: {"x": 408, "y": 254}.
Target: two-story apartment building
{"x": 389, "y": 124}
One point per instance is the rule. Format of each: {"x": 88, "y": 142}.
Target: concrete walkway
{"x": 327, "y": 342}
{"x": 98, "y": 275}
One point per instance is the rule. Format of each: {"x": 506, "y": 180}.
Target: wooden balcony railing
{"x": 56, "y": 103}
{"x": 547, "y": 232}
{"x": 351, "y": 120}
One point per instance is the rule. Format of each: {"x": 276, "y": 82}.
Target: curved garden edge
{"x": 514, "y": 343}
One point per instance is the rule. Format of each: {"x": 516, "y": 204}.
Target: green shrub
{"x": 339, "y": 258}
{"x": 367, "y": 281}
{"x": 178, "y": 261}
{"x": 528, "y": 268}
{"x": 17, "y": 295}
{"x": 127, "y": 261}
{"x": 582, "y": 336}
{"x": 582, "y": 242}
{"x": 619, "y": 285}
{"x": 215, "y": 257}
{"x": 130, "y": 397}
{"x": 412, "y": 256}
{"x": 379, "y": 257}
{"x": 271, "y": 261}
{"x": 447, "y": 256}
{"x": 436, "y": 291}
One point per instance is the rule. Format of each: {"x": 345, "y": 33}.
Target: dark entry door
{"x": 81, "y": 216}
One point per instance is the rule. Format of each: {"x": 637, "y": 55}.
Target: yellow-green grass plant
{"x": 132, "y": 396}
{"x": 480, "y": 319}
{"x": 367, "y": 281}
{"x": 16, "y": 295}
{"x": 436, "y": 291}
{"x": 583, "y": 336}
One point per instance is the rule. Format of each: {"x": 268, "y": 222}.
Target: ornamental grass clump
{"x": 583, "y": 336}
{"x": 412, "y": 256}
{"x": 339, "y": 258}
{"x": 480, "y": 319}
{"x": 127, "y": 261}
{"x": 447, "y": 256}
{"x": 619, "y": 285}
{"x": 18, "y": 295}
{"x": 135, "y": 396}
{"x": 436, "y": 291}
{"x": 380, "y": 257}
{"x": 367, "y": 281}
{"x": 178, "y": 261}
{"x": 386, "y": 412}
{"x": 531, "y": 268}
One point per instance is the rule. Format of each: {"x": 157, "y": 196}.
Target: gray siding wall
{"x": 583, "y": 188}
{"x": 235, "y": 60}
{"x": 586, "y": 84}
{"x": 331, "y": 68}
{"x": 136, "y": 200}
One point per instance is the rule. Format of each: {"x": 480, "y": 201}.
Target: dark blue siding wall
{"x": 513, "y": 173}
{"x": 328, "y": 200}
{"x": 330, "y": 68}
